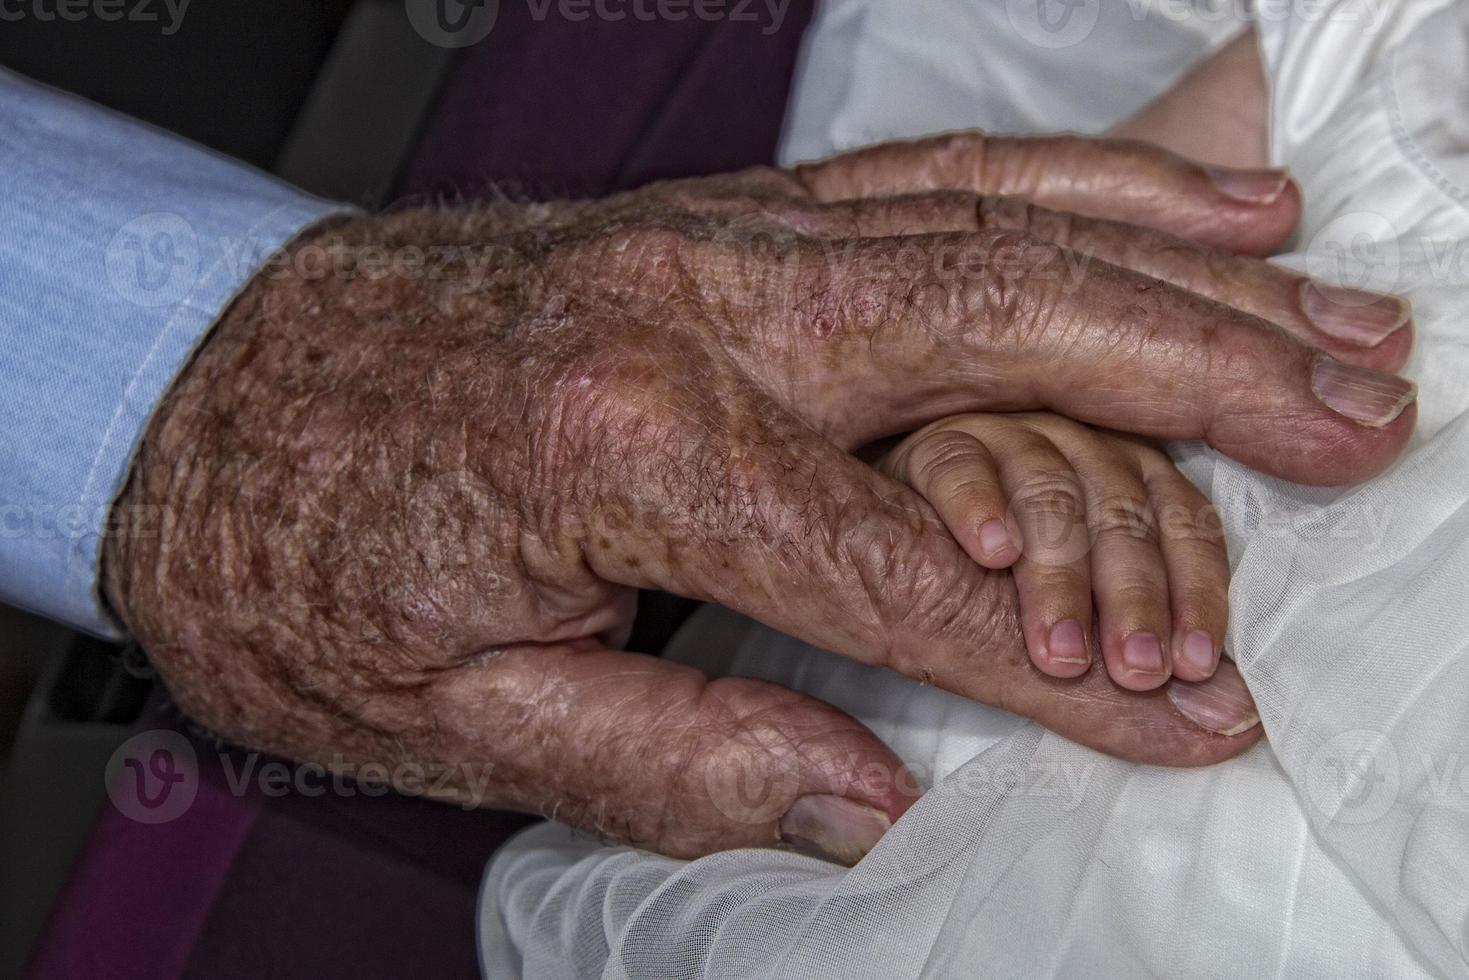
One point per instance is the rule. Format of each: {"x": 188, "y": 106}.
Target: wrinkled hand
{"x": 406, "y": 514}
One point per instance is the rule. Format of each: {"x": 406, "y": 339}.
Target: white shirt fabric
{"x": 1339, "y": 848}
{"x": 874, "y": 70}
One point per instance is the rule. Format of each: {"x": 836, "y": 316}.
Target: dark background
{"x": 208, "y": 81}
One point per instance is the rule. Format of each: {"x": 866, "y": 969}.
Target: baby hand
{"x": 1095, "y": 524}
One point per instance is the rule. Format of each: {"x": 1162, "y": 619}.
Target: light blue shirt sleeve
{"x": 120, "y": 245}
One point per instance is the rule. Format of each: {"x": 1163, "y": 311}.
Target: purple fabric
{"x": 367, "y": 888}
{"x": 248, "y": 887}
{"x": 556, "y": 108}
{"x": 139, "y": 895}
{"x": 327, "y": 882}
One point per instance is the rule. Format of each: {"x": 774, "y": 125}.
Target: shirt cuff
{"x": 120, "y": 246}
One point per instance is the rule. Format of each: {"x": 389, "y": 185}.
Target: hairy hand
{"x": 412, "y": 481}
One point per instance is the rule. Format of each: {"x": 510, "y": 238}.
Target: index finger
{"x": 1248, "y": 211}
{"x": 890, "y": 334}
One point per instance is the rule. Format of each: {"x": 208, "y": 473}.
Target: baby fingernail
{"x": 1221, "y": 704}
{"x": 1067, "y": 644}
{"x": 994, "y": 538}
{"x": 833, "y": 827}
{"x": 1143, "y": 653}
{"x": 1365, "y": 396}
{"x": 1198, "y": 651}
{"x": 1253, "y": 186}
{"x": 1362, "y": 318}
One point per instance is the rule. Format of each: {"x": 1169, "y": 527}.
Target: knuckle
{"x": 1197, "y": 525}
{"x": 841, "y": 296}
{"x": 1019, "y": 286}
{"x": 1124, "y": 515}
{"x": 1055, "y": 495}
{"x": 608, "y": 421}
{"x": 920, "y": 592}
{"x": 800, "y": 218}
{"x": 941, "y": 455}
{"x": 955, "y": 210}
{"x": 1057, "y": 227}
{"x": 650, "y": 259}
{"x": 1240, "y": 349}
{"x": 767, "y": 259}
{"x": 1004, "y": 214}
{"x": 963, "y": 152}
{"x": 1052, "y": 517}
{"x": 1017, "y": 214}
{"x": 743, "y": 210}
{"x": 1142, "y": 590}
{"x": 597, "y": 391}
{"x": 1059, "y": 581}
{"x": 652, "y": 246}
{"x": 731, "y": 757}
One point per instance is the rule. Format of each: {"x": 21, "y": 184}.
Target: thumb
{"x": 657, "y": 755}
{"x": 1247, "y": 211}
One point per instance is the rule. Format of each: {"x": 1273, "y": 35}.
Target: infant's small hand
{"x": 1085, "y": 517}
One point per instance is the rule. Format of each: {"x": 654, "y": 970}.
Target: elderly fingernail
{"x": 1067, "y": 644}
{"x": 1142, "y": 653}
{"x": 1221, "y": 704}
{"x": 833, "y": 827}
{"x": 1253, "y": 186}
{"x": 1365, "y": 396}
{"x": 1198, "y": 651}
{"x": 1358, "y": 317}
{"x": 994, "y": 538}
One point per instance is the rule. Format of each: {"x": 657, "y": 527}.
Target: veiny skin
{"x": 404, "y": 517}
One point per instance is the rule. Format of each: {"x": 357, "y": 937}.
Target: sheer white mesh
{"x": 1338, "y": 849}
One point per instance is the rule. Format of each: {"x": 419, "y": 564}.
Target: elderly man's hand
{"x": 406, "y": 514}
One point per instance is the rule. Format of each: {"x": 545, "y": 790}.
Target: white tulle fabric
{"x": 1338, "y": 849}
